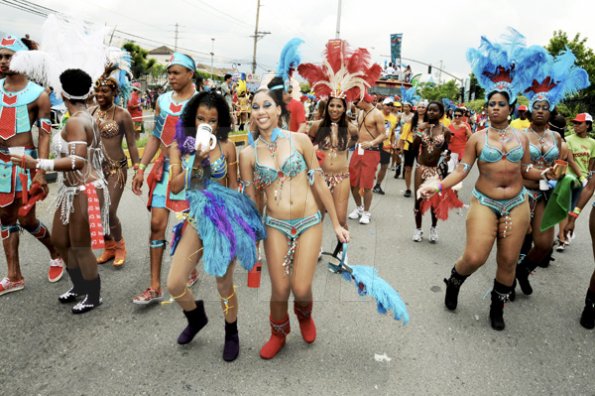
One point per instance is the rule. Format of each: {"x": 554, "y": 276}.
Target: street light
{"x": 212, "y": 55}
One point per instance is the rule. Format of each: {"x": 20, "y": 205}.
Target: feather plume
{"x": 289, "y": 58}
{"x": 344, "y": 73}
{"x": 65, "y": 44}
{"x": 505, "y": 65}
{"x": 555, "y": 79}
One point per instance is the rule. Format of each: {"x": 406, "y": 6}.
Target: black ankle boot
{"x": 231, "y": 348}
{"x": 197, "y": 319}
{"x": 500, "y": 295}
{"x": 588, "y": 316}
{"x": 522, "y": 275}
{"x": 77, "y": 290}
{"x": 92, "y": 299}
{"x": 453, "y": 284}
{"x": 546, "y": 261}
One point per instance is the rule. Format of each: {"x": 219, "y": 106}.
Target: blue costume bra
{"x": 494, "y": 154}
{"x": 219, "y": 166}
{"x": 549, "y": 156}
{"x": 293, "y": 165}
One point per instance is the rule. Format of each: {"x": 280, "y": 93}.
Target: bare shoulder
{"x": 122, "y": 114}
{"x": 247, "y": 154}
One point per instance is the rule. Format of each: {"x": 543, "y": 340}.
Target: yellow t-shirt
{"x": 407, "y": 136}
{"x": 445, "y": 121}
{"x": 520, "y": 124}
{"x": 390, "y": 122}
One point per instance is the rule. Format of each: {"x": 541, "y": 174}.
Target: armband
{"x": 312, "y": 173}
{"x": 466, "y": 167}
{"x": 45, "y": 124}
{"x": 45, "y": 164}
{"x": 244, "y": 184}
{"x": 142, "y": 167}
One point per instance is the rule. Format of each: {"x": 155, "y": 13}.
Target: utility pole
{"x": 176, "y": 38}
{"x": 440, "y": 73}
{"x": 338, "y": 32}
{"x": 212, "y": 55}
{"x": 257, "y": 35}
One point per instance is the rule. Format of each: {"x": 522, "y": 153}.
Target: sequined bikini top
{"x": 494, "y": 154}
{"x": 549, "y": 156}
{"x": 219, "y": 166}
{"x": 265, "y": 175}
{"x": 107, "y": 128}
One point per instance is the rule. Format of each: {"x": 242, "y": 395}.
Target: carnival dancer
{"x": 22, "y": 104}
{"x": 82, "y": 206}
{"x": 499, "y": 208}
{"x": 409, "y": 98}
{"x": 243, "y": 106}
{"x": 333, "y": 134}
{"x": 588, "y": 315}
{"x": 284, "y": 166}
{"x": 220, "y": 225}
{"x": 555, "y": 79}
{"x": 431, "y": 143}
{"x": 114, "y": 123}
{"x": 168, "y": 110}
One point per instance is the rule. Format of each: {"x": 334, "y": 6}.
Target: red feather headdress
{"x": 345, "y": 73}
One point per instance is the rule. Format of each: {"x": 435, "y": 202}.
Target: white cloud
{"x": 433, "y": 30}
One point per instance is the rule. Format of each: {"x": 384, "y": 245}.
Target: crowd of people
{"x": 294, "y": 171}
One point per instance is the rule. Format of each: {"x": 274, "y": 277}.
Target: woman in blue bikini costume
{"x": 556, "y": 78}
{"x": 499, "y": 210}
{"x": 220, "y": 225}
{"x": 283, "y": 165}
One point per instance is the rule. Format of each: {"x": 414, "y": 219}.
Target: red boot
{"x": 279, "y": 331}
{"x": 307, "y": 326}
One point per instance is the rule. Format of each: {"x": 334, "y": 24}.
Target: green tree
{"x": 141, "y": 66}
{"x": 448, "y": 90}
{"x": 475, "y": 88}
{"x": 585, "y": 58}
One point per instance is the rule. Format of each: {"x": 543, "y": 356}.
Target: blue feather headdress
{"x": 289, "y": 60}
{"x": 448, "y": 104}
{"x": 118, "y": 74}
{"x": 409, "y": 96}
{"x": 555, "y": 79}
{"x": 503, "y": 66}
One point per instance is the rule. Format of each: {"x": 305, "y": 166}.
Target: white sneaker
{"x": 418, "y": 236}
{"x": 356, "y": 213}
{"x": 433, "y": 235}
{"x": 365, "y": 219}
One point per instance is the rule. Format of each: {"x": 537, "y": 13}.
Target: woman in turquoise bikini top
{"x": 283, "y": 166}
{"x": 499, "y": 209}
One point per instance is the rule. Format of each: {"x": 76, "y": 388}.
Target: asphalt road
{"x": 123, "y": 349}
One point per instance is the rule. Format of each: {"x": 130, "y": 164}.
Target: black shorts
{"x": 409, "y": 157}
{"x": 384, "y": 157}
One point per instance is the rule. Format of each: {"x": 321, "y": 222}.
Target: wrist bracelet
{"x": 572, "y": 214}
{"x": 142, "y": 167}
{"x": 577, "y": 210}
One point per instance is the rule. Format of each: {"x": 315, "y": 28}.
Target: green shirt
{"x": 583, "y": 149}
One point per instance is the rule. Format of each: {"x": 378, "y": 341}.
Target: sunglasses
{"x": 458, "y": 115}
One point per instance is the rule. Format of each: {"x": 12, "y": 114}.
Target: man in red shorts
{"x": 365, "y": 158}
